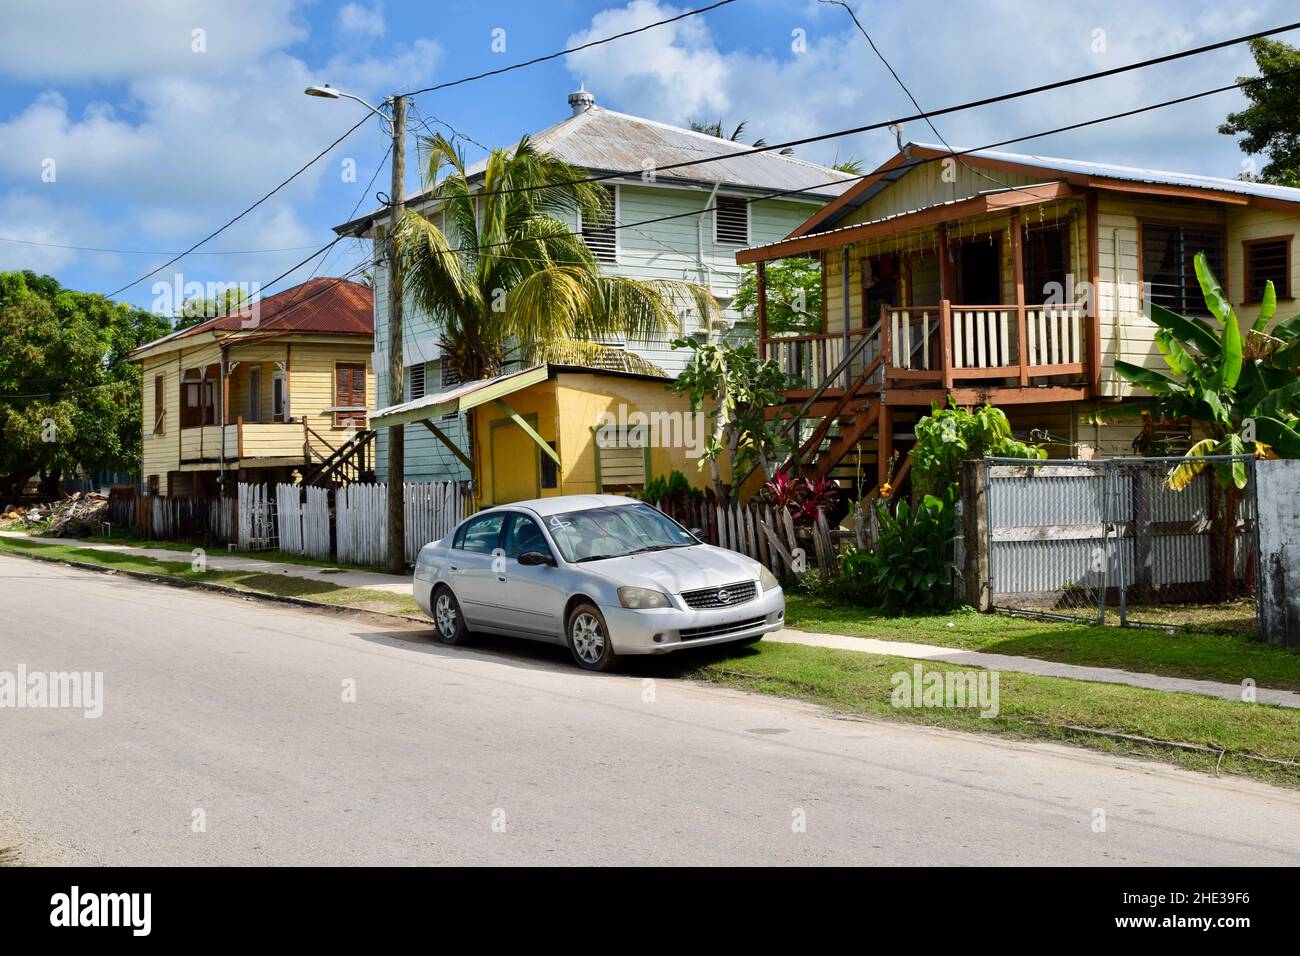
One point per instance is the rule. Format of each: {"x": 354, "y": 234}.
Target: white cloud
{"x": 357, "y": 19}
{"x": 91, "y": 39}
{"x": 685, "y": 71}
{"x": 182, "y": 148}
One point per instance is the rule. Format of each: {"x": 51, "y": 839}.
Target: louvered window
{"x": 1268, "y": 260}
{"x": 1169, "y": 264}
{"x": 598, "y": 231}
{"x": 415, "y": 376}
{"x": 731, "y": 220}
{"x": 450, "y": 378}
{"x": 350, "y": 394}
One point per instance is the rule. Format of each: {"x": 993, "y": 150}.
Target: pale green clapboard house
{"x": 697, "y": 248}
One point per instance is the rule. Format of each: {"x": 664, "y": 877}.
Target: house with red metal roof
{"x": 279, "y": 390}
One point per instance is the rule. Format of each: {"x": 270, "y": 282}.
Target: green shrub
{"x": 910, "y": 570}
{"x": 947, "y": 437}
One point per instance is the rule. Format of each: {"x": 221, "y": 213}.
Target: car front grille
{"x": 717, "y": 630}
{"x": 729, "y": 595}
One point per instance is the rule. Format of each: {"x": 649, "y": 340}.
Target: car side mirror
{"x": 535, "y": 558}
{"x": 698, "y": 532}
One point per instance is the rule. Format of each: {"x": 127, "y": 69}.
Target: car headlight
{"x": 768, "y": 580}
{"x": 642, "y": 598}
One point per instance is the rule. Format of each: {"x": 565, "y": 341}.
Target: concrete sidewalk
{"x": 377, "y": 581}
{"x": 340, "y": 577}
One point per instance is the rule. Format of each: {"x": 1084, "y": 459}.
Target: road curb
{"x": 218, "y": 588}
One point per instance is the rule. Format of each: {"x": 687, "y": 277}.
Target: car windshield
{"x": 614, "y": 531}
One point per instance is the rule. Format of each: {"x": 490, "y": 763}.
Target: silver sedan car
{"x": 602, "y": 574}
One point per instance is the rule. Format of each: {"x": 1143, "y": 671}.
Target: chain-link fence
{"x": 1118, "y": 539}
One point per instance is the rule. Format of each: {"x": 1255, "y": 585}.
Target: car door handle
{"x": 453, "y": 567}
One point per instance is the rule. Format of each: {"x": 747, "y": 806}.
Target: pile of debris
{"x": 73, "y": 517}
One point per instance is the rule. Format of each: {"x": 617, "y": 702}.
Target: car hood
{"x": 678, "y": 570}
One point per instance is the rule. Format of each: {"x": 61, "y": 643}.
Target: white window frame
{"x": 614, "y": 231}
{"x": 278, "y": 386}
{"x": 749, "y": 222}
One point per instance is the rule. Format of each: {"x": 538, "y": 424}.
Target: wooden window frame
{"x": 344, "y": 420}
{"x": 160, "y": 404}
{"x": 1247, "y": 246}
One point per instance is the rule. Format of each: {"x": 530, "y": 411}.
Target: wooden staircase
{"x": 354, "y": 460}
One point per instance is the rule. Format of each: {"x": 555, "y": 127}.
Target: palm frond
{"x": 593, "y": 355}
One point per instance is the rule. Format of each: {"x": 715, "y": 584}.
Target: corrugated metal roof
{"x": 321, "y": 306}
{"x": 1135, "y": 174}
{"x": 606, "y": 141}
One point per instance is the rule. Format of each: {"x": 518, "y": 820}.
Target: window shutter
{"x": 159, "y": 404}
{"x": 415, "y": 375}
{"x": 598, "y": 231}
{"x": 731, "y": 220}
{"x": 350, "y": 392}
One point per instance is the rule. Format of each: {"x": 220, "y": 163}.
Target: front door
{"x": 515, "y": 471}
{"x": 979, "y": 272}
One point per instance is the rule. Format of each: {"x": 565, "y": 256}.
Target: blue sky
{"x": 154, "y": 143}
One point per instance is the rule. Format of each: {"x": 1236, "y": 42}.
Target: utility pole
{"x": 396, "y": 360}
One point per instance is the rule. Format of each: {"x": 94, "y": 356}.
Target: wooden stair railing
{"x": 809, "y": 448}
{"x": 873, "y": 334}
{"x": 349, "y": 462}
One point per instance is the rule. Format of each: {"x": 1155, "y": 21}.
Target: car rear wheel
{"x": 447, "y": 616}
{"x": 589, "y": 639}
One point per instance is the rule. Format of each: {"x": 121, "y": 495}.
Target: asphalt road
{"x": 232, "y": 713}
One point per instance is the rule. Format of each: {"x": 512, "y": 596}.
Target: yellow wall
{"x": 566, "y": 408}
{"x": 311, "y": 390}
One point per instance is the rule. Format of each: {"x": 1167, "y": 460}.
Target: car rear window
{"x": 482, "y": 534}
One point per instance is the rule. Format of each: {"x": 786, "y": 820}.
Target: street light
{"x": 396, "y": 125}
{"x": 325, "y": 91}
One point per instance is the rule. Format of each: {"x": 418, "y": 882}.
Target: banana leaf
{"x": 1186, "y": 329}
{"x": 1153, "y": 382}
{"x": 1267, "y": 307}
{"x": 1281, "y": 436}
{"x": 1212, "y": 291}
{"x": 1181, "y": 475}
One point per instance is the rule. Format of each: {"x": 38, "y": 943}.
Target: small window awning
{"x": 458, "y": 398}
{"x": 462, "y": 398}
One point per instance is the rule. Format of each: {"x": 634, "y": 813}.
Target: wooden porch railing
{"x": 949, "y": 343}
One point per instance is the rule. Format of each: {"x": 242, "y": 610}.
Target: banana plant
{"x": 1243, "y": 390}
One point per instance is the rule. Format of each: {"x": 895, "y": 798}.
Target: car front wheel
{"x": 447, "y": 616}
{"x": 589, "y": 639}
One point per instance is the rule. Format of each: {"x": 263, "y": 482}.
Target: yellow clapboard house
{"x": 278, "y": 392}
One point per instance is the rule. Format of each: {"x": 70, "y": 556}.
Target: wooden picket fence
{"x": 432, "y": 510}
{"x": 258, "y": 530}
{"x": 761, "y": 532}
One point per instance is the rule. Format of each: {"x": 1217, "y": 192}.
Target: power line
{"x": 959, "y": 107}
{"x": 899, "y": 80}
{"x": 576, "y": 49}
{"x": 911, "y": 164}
{"x": 236, "y": 219}
{"x": 153, "y": 252}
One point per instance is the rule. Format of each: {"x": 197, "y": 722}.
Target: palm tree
{"x": 508, "y": 279}
{"x": 715, "y": 129}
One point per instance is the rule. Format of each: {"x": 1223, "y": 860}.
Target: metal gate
{"x": 1086, "y": 539}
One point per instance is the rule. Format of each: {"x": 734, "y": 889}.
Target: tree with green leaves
{"x": 739, "y": 386}
{"x": 69, "y": 397}
{"x": 794, "y": 295}
{"x": 948, "y": 437}
{"x": 506, "y": 277}
{"x": 1271, "y": 123}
